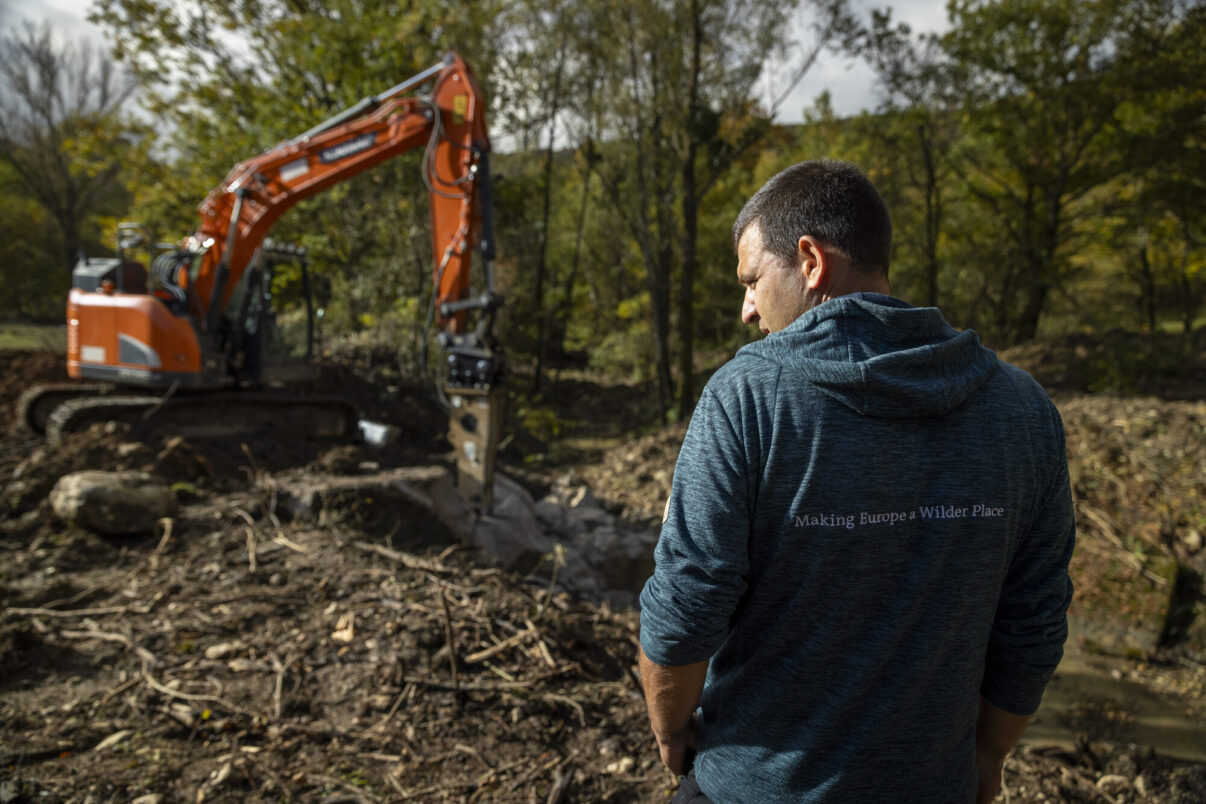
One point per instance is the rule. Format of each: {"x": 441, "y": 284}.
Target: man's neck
{"x": 859, "y": 283}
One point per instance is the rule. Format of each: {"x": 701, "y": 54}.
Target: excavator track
{"x": 210, "y": 416}
{"x": 36, "y": 404}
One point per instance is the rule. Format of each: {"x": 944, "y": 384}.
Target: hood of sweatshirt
{"x": 881, "y": 359}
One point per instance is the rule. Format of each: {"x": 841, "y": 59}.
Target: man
{"x": 861, "y": 579}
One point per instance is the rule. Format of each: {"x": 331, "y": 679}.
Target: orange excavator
{"x": 192, "y": 329}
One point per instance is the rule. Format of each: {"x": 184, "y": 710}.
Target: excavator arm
{"x": 239, "y": 213}
{"x": 451, "y": 126}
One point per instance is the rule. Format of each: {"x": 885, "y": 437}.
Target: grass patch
{"x": 33, "y": 337}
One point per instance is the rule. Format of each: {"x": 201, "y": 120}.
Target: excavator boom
{"x": 237, "y": 215}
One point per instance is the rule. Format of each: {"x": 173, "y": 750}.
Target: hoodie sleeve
{"x": 1031, "y": 625}
{"x": 701, "y": 556}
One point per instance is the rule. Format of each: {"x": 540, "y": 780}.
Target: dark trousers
{"x": 689, "y": 792}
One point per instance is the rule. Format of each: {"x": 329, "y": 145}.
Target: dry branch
{"x": 451, "y": 639}
{"x": 494, "y": 650}
{"x": 77, "y": 612}
{"x": 405, "y": 559}
{"x": 147, "y": 657}
{"x": 166, "y": 523}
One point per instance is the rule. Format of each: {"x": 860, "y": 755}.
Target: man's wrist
{"x": 992, "y": 754}
{"x": 673, "y": 736}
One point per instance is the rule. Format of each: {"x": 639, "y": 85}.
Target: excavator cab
{"x": 119, "y": 274}
{"x": 269, "y": 335}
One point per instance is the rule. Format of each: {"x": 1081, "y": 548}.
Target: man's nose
{"x": 749, "y": 313}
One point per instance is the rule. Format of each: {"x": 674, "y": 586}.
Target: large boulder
{"x": 112, "y": 502}
{"x": 512, "y": 534}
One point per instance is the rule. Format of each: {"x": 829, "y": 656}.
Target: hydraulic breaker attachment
{"x": 475, "y": 421}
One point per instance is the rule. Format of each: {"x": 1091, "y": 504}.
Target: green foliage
{"x": 65, "y": 139}
{"x": 32, "y": 337}
{"x": 1043, "y": 161}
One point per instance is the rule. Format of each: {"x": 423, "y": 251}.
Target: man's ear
{"x": 814, "y": 263}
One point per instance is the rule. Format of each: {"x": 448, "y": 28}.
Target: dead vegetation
{"x": 227, "y": 658}
{"x": 234, "y": 656}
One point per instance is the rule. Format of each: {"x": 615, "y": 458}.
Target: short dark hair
{"x": 830, "y": 200}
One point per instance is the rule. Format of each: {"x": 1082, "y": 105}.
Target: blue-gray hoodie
{"x": 870, "y": 526}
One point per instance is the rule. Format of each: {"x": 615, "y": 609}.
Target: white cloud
{"x": 68, "y": 18}
{"x": 850, "y": 82}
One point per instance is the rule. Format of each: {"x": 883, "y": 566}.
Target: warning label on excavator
{"x": 460, "y": 105}
{"x": 298, "y": 167}
{"x": 347, "y": 148}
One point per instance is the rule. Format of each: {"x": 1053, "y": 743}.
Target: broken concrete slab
{"x": 604, "y": 557}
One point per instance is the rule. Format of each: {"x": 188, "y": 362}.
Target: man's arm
{"x": 671, "y": 695}
{"x": 1031, "y": 624}
{"x": 997, "y": 731}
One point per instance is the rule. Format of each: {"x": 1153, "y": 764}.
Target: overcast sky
{"x": 850, "y": 83}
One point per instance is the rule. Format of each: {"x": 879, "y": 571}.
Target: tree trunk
{"x": 571, "y": 276}
{"x": 686, "y": 294}
{"x": 659, "y": 297}
{"x": 1147, "y": 289}
{"x": 542, "y": 255}
{"x": 933, "y": 217}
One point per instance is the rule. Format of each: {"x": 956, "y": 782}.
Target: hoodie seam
{"x": 761, "y": 464}
{"x": 732, "y": 430}
{"x": 862, "y": 376}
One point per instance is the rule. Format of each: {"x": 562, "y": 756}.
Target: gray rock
{"x": 112, "y": 502}
{"x": 611, "y": 562}
{"x": 512, "y": 535}
{"x": 551, "y": 514}
{"x": 420, "y": 498}
{"x": 586, "y": 518}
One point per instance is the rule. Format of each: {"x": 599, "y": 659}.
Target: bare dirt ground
{"x": 234, "y": 656}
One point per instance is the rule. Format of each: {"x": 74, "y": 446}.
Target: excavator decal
{"x": 345, "y": 149}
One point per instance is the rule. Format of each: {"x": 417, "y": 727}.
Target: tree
{"x": 916, "y": 125}
{"x": 533, "y": 69}
{"x": 1166, "y": 137}
{"x": 1044, "y": 83}
{"x": 30, "y": 273}
{"x": 680, "y": 95}
{"x": 63, "y": 130}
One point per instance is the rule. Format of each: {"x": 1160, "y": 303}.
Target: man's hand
{"x": 671, "y": 695}
{"x": 990, "y": 769}
{"x": 997, "y": 731}
{"x": 675, "y": 750}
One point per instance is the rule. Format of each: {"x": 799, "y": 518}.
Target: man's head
{"x": 816, "y": 230}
